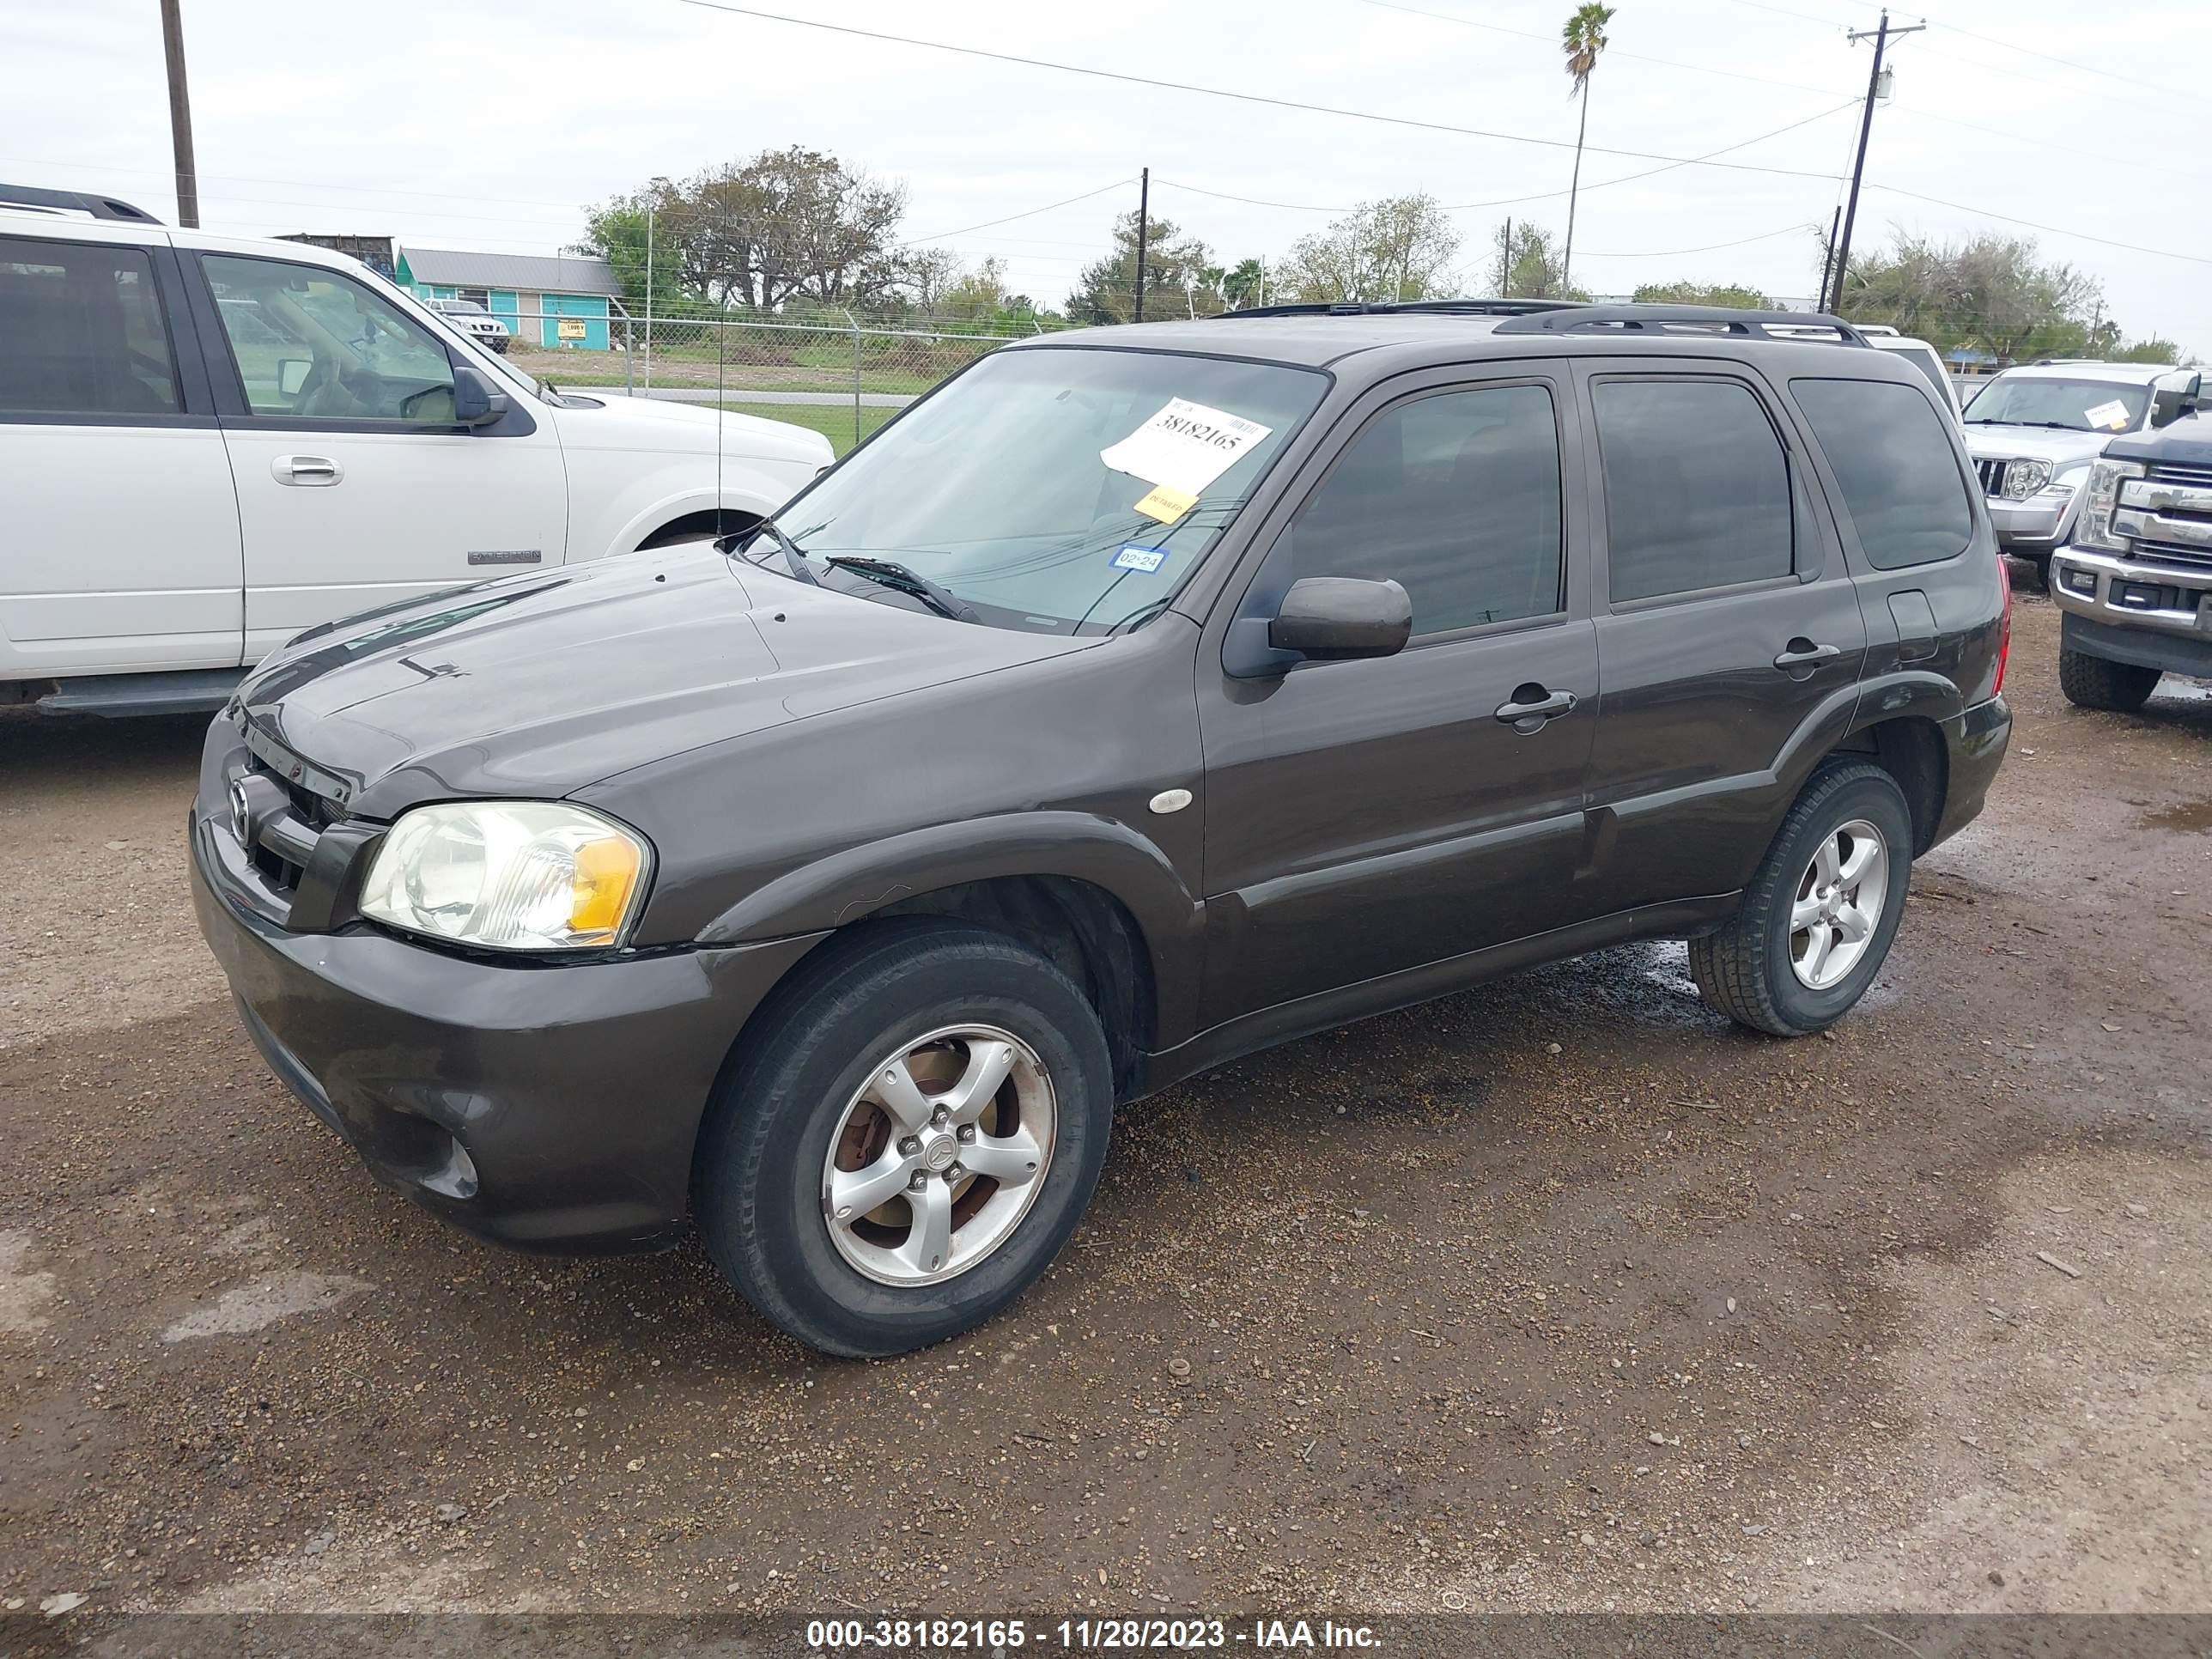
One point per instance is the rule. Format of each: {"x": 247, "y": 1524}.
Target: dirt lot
{"x": 1562, "y": 1293}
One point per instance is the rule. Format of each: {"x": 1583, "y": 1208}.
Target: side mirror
{"x": 2173, "y": 395}
{"x": 476, "y": 401}
{"x": 292, "y": 375}
{"x": 1328, "y": 618}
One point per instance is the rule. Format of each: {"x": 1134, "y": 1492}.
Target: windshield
{"x": 1922, "y": 358}
{"x": 995, "y": 488}
{"x": 528, "y": 383}
{"x": 2078, "y": 405}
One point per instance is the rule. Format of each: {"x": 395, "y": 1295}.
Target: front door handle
{"x": 1530, "y": 706}
{"x": 309, "y": 471}
{"x": 1803, "y": 653}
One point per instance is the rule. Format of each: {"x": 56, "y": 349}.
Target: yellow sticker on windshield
{"x": 1167, "y": 504}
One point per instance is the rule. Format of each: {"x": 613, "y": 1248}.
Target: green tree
{"x": 789, "y": 224}
{"x": 616, "y": 231}
{"x": 1526, "y": 264}
{"x": 1703, "y": 294}
{"x": 1107, "y": 290}
{"x": 1399, "y": 248}
{"x": 1244, "y": 284}
{"x": 1989, "y": 292}
{"x": 1584, "y": 40}
{"x": 2152, "y": 350}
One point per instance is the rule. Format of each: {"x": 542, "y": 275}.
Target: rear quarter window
{"x": 1892, "y": 455}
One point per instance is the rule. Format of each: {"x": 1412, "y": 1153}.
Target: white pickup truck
{"x": 208, "y": 444}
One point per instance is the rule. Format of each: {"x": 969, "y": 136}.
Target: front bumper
{"x": 2034, "y": 525}
{"x": 2124, "y": 609}
{"x": 545, "y": 1105}
{"x": 2156, "y": 615}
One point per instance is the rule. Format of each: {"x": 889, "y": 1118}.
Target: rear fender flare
{"x": 1852, "y": 709}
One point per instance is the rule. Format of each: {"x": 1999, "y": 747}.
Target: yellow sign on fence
{"x": 570, "y": 328}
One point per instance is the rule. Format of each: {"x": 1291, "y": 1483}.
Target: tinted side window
{"x": 1697, "y": 487}
{"x": 81, "y": 332}
{"x": 308, "y": 342}
{"x": 1455, "y": 496}
{"x": 1892, "y": 454}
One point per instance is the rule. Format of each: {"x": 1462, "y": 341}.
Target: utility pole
{"x": 1882, "y": 37}
{"x": 1505, "y": 261}
{"x": 1144, "y": 231}
{"x": 180, "y": 118}
{"x": 1828, "y": 256}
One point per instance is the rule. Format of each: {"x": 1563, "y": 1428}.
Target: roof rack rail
{"x": 1685, "y": 321}
{"x": 1397, "y": 307}
{"x": 74, "y": 201}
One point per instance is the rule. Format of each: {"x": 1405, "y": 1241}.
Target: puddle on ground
{"x": 2191, "y": 816}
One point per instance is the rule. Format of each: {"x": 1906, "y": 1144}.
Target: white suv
{"x": 208, "y": 444}
{"x": 473, "y": 320}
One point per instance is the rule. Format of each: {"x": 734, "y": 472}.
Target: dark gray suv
{"x": 1142, "y": 697}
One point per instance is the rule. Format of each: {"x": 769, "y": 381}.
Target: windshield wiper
{"x": 794, "y": 562}
{"x": 892, "y": 574}
{"x": 2056, "y": 426}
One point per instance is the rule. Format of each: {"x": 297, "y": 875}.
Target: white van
{"x": 208, "y": 444}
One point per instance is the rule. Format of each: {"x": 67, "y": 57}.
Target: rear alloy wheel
{"x": 2117, "y": 688}
{"x": 916, "y": 1122}
{"x": 1817, "y": 920}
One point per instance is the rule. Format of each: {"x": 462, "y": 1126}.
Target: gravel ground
{"x": 1560, "y": 1294}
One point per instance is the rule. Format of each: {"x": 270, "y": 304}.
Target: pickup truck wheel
{"x": 907, "y": 1139}
{"x": 2096, "y": 683}
{"x": 1817, "y": 920}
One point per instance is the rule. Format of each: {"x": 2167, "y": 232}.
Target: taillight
{"x": 2005, "y": 636}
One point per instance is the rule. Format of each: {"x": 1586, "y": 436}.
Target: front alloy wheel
{"x": 939, "y": 1155}
{"x": 913, "y": 1125}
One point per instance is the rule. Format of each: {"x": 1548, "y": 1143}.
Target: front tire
{"x": 1817, "y": 920}
{"x": 2118, "y": 688}
{"x": 908, "y": 1139}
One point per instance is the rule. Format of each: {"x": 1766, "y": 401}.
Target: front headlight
{"x": 2024, "y": 478}
{"x": 509, "y": 876}
{"x": 2094, "y": 526}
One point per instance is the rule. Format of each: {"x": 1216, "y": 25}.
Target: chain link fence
{"x": 842, "y": 375}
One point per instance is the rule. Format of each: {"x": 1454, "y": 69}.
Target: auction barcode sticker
{"x": 1185, "y": 447}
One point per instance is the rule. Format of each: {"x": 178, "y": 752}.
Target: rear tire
{"x": 2118, "y": 688}
{"x": 1768, "y": 967}
{"x": 798, "y": 1122}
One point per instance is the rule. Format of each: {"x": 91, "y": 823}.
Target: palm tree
{"x": 1582, "y": 40}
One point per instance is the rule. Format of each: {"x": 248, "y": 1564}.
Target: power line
{"x": 1551, "y": 42}
{"x": 2063, "y": 63}
{"x": 1028, "y": 213}
{"x": 2055, "y": 230}
{"x": 1236, "y": 97}
{"x": 1541, "y": 196}
{"x": 1802, "y": 16}
{"x": 1710, "y": 248}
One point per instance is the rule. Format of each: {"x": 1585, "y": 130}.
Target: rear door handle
{"x": 1532, "y": 705}
{"x": 1803, "y": 653}
{"x": 311, "y": 472}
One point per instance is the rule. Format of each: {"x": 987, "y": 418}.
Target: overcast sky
{"x": 489, "y": 123}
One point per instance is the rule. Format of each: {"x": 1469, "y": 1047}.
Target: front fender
{"x": 845, "y": 886}
{"x": 747, "y": 495}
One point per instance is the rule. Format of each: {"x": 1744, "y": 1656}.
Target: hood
{"x": 600, "y": 418}
{"x": 539, "y": 685}
{"x": 2187, "y": 442}
{"x": 2040, "y": 443}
